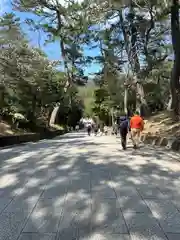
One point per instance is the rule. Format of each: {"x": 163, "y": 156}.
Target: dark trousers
{"x": 96, "y": 131}
{"x": 123, "y": 134}
{"x": 89, "y": 130}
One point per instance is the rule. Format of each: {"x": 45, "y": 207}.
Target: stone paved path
{"x": 80, "y": 187}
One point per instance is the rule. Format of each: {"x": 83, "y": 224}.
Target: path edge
{"x": 171, "y": 143}
{"x": 6, "y": 141}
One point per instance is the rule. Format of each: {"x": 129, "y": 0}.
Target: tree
{"x": 133, "y": 40}
{"x": 143, "y": 27}
{"x": 30, "y": 83}
{"x": 60, "y": 23}
{"x": 175, "y": 34}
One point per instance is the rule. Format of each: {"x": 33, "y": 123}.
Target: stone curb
{"x": 169, "y": 143}
{"x": 29, "y": 137}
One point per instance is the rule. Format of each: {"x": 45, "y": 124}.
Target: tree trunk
{"x": 131, "y": 50}
{"x": 126, "y": 100}
{"x": 2, "y": 97}
{"x": 175, "y": 88}
{"x": 169, "y": 105}
{"x": 142, "y": 103}
{"x": 53, "y": 116}
{"x": 174, "y": 81}
{"x": 112, "y": 116}
{"x": 63, "y": 53}
{"x": 142, "y": 106}
{"x": 34, "y": 104}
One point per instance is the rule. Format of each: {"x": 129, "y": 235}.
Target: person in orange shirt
{"x": 136, "y": 126}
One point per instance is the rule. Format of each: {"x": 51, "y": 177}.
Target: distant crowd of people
{"x": 96, "y": 129}
{"x": 124, "y": 125}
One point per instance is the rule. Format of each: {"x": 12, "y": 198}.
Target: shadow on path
{"x": 79, "y": 187}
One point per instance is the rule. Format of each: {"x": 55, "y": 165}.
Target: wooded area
{"x": 139, "y": 59}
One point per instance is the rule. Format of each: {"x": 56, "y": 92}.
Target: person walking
{"x": 96, "y": 128}
{"x": 123, "y": 128}
{"x": 101, "y": 128}
{"x": 115, "y": 129}
{"x": 77, "y": 128}
{"x": 105, "y": 130}
{"x": 89, "y": 128}
{"x": 136, "y": 126}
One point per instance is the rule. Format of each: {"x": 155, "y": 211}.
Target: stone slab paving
{"x": 77, "y": 187}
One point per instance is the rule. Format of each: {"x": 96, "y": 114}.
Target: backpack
{"x": 124, "y": 123}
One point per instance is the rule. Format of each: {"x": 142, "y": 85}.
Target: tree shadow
{"x": 79, "y": 187}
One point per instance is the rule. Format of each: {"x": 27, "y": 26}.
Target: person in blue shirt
{"x": 124, "y": 128}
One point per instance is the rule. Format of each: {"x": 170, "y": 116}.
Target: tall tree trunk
{"x": 126, "y": 98}
{"x": 175, "y": 76}
{"x": 140, "y": 96}
{"x": 131, "y": 50}
{"x": 68, "y": 83}
{"x": 141, "y": 106}
{"x": 63, "y": 52}
{"x": 2, "y": 97}
{"x": 112, "y": 116}
{"x": 53, "y": 116}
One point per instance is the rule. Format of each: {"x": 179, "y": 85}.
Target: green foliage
{"x": 61, "y": 23}
{"x": 30, "y": 85}
{"x": 86, "y": 93}
{"x": 133, "y": 39}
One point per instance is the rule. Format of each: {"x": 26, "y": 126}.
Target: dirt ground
{"x": 8, "y": 130}
{"x": 162, "y": 124}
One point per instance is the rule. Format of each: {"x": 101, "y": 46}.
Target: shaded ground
{"x": 163, "y": 125}
{"x": 79, "y": 187}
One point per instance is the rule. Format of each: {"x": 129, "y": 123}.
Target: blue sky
{"x": 38, "y": 38}
{"x": 52, "y": 49}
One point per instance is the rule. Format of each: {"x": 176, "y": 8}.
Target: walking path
{"x": 80, "y": 187}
